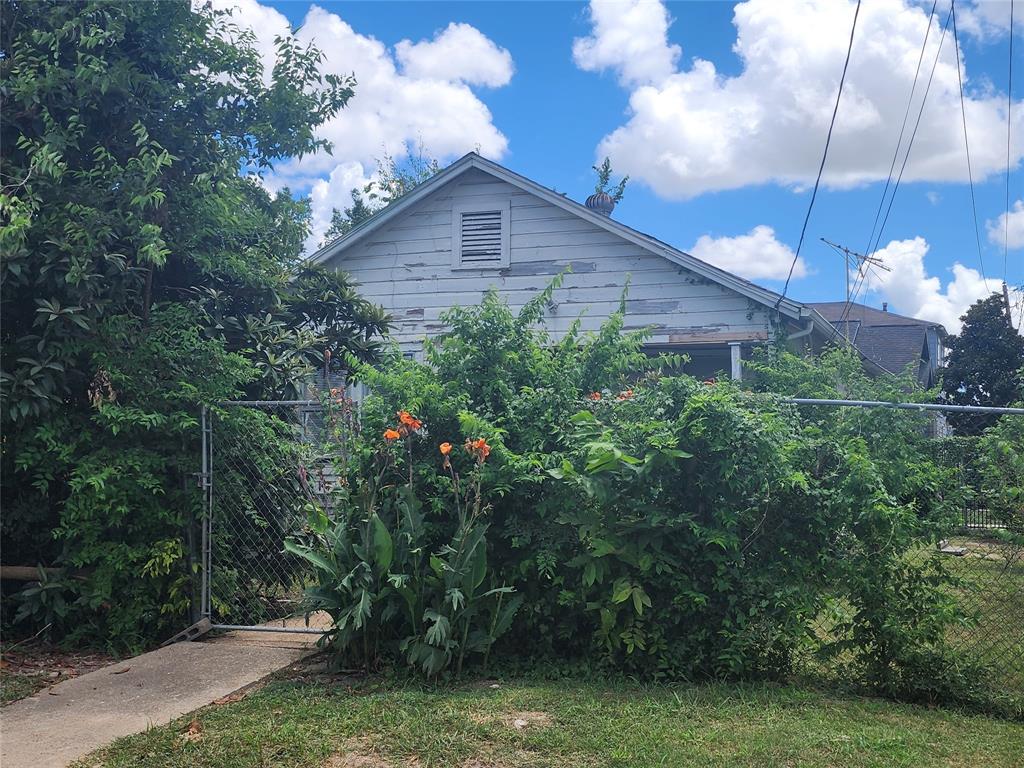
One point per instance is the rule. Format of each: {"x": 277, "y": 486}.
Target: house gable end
{"x": 408, "y": 265}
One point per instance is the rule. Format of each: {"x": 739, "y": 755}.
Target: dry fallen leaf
{"x": 231, "y": 698}
{"x": 194, "y": 732}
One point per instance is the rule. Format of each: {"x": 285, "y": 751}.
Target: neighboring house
{"x": 477, "y": 225}
{"x": 890, "y": 341}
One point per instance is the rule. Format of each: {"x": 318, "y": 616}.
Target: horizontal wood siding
{"x": 407, "y": 268}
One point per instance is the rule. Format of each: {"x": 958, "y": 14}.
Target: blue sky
{"x": 718, "y": 112}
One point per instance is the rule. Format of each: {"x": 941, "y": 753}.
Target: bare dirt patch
{"x": 517, "y": 721}
{"x": 357, "y": 753}
{"x": 520, "y": 721}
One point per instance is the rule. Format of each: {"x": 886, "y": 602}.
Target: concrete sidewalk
{"x": 63, "y": 723}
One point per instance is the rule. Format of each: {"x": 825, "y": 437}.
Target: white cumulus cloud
{"x": 459, "y": 53}
{"x": 910, "y": 290}
{"x": 987, "y": 18}
{"x": 416, "y": 94}
{"x": 755, "y": 255}
{"x": 1008, "y": 228}
{"x": 630, "y": 36}
{"x": 690, "y": 129}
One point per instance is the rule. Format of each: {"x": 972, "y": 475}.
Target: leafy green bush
{"x": 649, "y": 524}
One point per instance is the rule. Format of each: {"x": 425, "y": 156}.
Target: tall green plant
{"x": 393, "y": 584}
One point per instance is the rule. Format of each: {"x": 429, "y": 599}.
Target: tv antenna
{"x": 862, "y": 263}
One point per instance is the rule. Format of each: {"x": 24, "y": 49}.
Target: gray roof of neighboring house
{"x": 893, "y": 347}
{"x": 833, "y": 311}
{"x": 889, "y": 340}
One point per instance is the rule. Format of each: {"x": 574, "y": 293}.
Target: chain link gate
{"x": 262, "y": 463}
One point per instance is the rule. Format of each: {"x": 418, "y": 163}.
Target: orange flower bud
{"x": 625, "y": 395}
{"x": 391, "y": 434}
{"x": 445, "y": 448}
{"x": 594, "y": 395}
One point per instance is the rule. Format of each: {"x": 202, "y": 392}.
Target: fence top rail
{"x": 270, "y": 403}
{"x": 789, "y": 400}
{"x": 905, "y": 406}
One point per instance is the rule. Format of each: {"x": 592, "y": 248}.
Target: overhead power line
{"x": 967, "y": 147}
{"x": 1009, "y": 123}
{"x": 913, "y": 134}
{"x": 824, "y": 156}
{"x": 862, "y": 277}
{"x": 903, "y": 128}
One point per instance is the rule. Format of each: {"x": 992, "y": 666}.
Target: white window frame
{"x": 504, "y": 207}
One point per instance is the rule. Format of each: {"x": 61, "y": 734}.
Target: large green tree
{"x": 985, "y": 364}
{"x": 146, "y": 271}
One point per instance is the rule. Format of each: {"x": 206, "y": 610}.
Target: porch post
{"x": 736, "y": 371}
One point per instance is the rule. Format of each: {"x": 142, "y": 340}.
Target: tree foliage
{"x": 985, "y": 364}
{"x": 145, "y": 271}
{"x": 395, "y": 177}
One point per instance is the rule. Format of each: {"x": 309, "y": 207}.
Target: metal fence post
{"x": 206, "y": 483}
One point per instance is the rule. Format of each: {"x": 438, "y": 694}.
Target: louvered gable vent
{"x": 480, "y": 238}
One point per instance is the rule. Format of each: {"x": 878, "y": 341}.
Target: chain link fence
{"x": 265, "y": 461}
{"x": 974, "y": 526}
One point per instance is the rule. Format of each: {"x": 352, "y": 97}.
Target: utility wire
{"x": 913, "y": 134}
{"x": 1009, "y": 105}
{"x": 859, "y": 282}
{"x": 824, "y": 155}
{"x": 967, "y": 147}
{"x": 903, "y": 128}
{"x": 906, "y": 157}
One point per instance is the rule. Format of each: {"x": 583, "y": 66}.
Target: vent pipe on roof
{"x": 601, "y": 202}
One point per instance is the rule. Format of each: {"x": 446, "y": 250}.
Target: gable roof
{"x": 893, "y": 347}
{"x": 890, "y": 341}
{"x": 785, "y": 306}
{"x": 862, "y": 314}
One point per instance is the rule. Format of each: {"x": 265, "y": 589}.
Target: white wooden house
{"x": 477, "y": 225}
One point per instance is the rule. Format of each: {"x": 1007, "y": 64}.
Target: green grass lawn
{"x": 317, "y": 723}
{"x": 992, "y": 593}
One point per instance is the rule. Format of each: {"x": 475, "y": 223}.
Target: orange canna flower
{"x": 479, "y": 447}
{"x": 409, "y": 421}
{"x": 391, "y": 434}
{"x": 594, "y": 395}
{"x": 625, "y": 395}
{"x": 445, "y": 448}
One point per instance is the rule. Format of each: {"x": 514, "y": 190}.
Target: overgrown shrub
{"x": 657, "y": 525}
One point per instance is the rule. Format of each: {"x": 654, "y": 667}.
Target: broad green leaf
{"x": 383, "y": 547}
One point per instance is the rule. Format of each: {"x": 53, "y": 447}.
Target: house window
{"x": 480, "y": 236}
